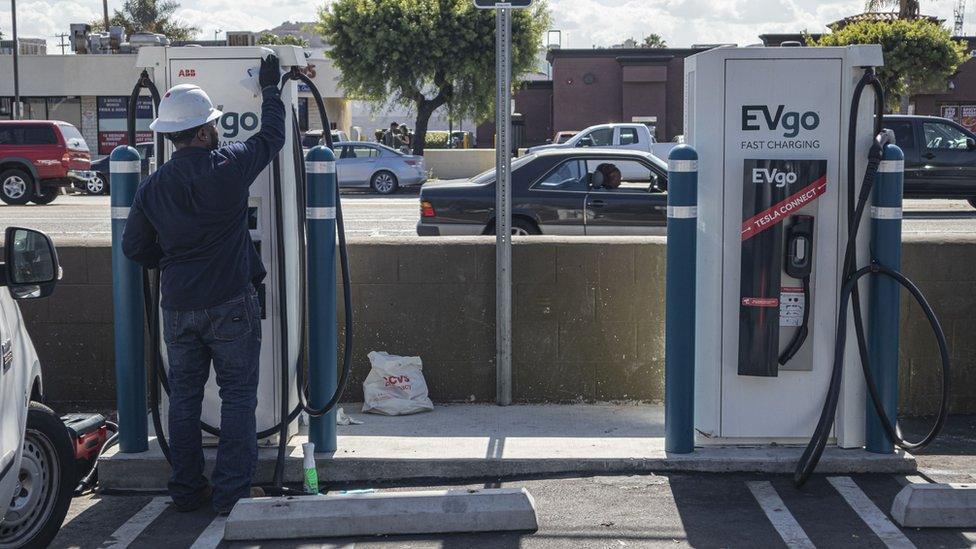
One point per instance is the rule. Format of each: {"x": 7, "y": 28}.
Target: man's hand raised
{"x": 270, "y": 74}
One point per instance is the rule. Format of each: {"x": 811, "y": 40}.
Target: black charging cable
{"x": 850, "y": 295}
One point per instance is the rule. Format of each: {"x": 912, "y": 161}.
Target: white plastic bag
{"x": 395, "y": 385}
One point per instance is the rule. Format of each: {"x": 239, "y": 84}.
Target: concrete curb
{"x": 935, "y": 506}
{"x": 402, "y": 513}
{"x": 148, "y": 471}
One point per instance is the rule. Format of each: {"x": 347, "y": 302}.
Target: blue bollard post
{"x": 322, "y": 375}
{"x": 127, "y": 306}
{"x": 679, "y": 336}
{"x": 884, "y": 295}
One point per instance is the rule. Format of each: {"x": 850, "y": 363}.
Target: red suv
{"x": 38, "y": 157}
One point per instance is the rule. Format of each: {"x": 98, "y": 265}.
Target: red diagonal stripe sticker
{"x": 778, "y": 212}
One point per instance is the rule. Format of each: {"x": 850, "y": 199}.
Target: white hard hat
{"x": 184, "y": 107}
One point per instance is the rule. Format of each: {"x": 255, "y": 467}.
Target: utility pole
{"x": 105, "y": 13}
{"x": 13, "y": 16}
{"x": 960, "y": 17}
{"x": 62, "y": 45}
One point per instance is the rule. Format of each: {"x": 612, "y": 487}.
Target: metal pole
{"x": 130, "y": 365}
{"x": 503, "y": 207}
{"x": 321, "y": 214}
{"x": 679, "y": 325}
{"x": 884, "y": 297}
{"x": 105, "y": 13}
{"x": 13, "y": 17}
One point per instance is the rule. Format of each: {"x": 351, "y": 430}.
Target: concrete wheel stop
{"x": 369, "y": 514}
{"x": 935, "y": 505}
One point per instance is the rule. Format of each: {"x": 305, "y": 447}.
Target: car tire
{"x": 97, "y": 185}
{"x": 47, "y": 473}
{"x": 520, "y": 227}
{"x": 48, "y": 194}
{"x": 384, "y": 182}
{"x": 16, "y": 187}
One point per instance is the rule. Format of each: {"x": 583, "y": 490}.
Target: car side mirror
{"x": 30, "y": 269}
{"x": 970, "y": 143}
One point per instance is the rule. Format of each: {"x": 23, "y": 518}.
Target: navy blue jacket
{"x": 189, "y": 218}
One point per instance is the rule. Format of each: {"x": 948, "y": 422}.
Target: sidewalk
{"x": 472, "y": 441}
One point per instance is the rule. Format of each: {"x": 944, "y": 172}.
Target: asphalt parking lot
{"x": 370, "y": 215}
{"x": 649, "y": 510}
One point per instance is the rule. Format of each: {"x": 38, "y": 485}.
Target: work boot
{"x": 203, "y": 498}
{"x": 256, "y": 492}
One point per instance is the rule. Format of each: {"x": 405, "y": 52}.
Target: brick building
{"x": 595, "y": 86}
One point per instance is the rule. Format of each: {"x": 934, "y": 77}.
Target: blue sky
{"x": 584, "y": 23}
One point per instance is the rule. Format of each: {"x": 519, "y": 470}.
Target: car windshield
{"x": 309, "y": 141}
{"x": 488, "y": 176}
{"x": 384, "y": 148}
{"x": 73, "y": 138}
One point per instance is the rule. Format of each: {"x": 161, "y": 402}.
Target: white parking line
{"x": 890, "y": 535}
{"x": 212, "y": 535}
{"x": 777, "y": 513}
{"x": 128, "y": 532}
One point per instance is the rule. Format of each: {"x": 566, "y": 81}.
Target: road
{"x": 366, "y": 215}
{"x": 369, "y": 215}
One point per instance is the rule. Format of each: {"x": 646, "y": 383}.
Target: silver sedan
{"x": 366, "y": 164}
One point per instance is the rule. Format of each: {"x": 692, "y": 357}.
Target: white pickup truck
{"x": 618, "y": 135}
{"x": 37, "y": 467}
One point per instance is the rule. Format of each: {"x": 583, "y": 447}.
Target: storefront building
{"x": 92, "y": 92}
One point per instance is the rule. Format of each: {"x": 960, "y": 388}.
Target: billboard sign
{"x": 112, "y": 121}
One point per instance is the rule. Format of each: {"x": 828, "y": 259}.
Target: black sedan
{"x": 100, "y": 184}
{"x": 940, "y": 157}
{"x": 555, "y": 191}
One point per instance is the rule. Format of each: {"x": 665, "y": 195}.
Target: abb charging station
{"x": 770, "y": 126}
{"x": 229, "y": 76}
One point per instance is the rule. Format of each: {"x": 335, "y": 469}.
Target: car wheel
{"x": 384, "y": 182}
{"x": 95, "y": 185}
{"x": 520, "y": 227}
{"x": 48, "y": 194}
{"x": 16, "y": 187}
{"x": 45, "y": 485}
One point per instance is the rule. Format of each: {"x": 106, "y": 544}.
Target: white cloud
{"x": 584, "y": 22}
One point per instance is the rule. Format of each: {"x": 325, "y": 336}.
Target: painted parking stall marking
{"x": 212, "y": 535}
{"x": 876, "y": 520}
{"x": 128, "y": 532}
{"x": 783, "y": 521}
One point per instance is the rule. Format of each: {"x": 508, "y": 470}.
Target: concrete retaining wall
{"x": 588, "y": 318}
{"x": 458, "y": 163}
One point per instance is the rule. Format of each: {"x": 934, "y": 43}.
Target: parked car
{"x": 367, "y": 164}
{"x": 100, "y": 183}
{"x": 555, "y": 192}
{"x": 940, "y": 157}
{"x": 314, "y": 138}
{"x": 37, "y": 471}
{"x": 38, "y": 157}
{"x": 563, "y": 136}
{"x": 632, "y": 136}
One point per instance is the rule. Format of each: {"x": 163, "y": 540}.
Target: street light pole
{"x": 105, "y": 13}
{"x": 13, "y": 16}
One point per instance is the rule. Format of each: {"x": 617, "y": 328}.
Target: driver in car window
{"x": 611, "y": 176}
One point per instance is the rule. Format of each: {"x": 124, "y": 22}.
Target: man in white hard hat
{"x": 189, "y": 219}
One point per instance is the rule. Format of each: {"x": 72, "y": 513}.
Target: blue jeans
{"x": 229, "y": 336}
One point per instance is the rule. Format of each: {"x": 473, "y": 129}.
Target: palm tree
{"x": 907, "y": 9}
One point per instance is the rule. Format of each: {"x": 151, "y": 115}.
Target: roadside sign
{"x": 492, "y": 4}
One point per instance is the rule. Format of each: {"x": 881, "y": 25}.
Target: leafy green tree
{"x": 653, "y": 41}
{"x": 270, "y": 39}
{"x": 919, "y": 55}
{"x": 426, "y": 53}
{"x": 150, "y": 16}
